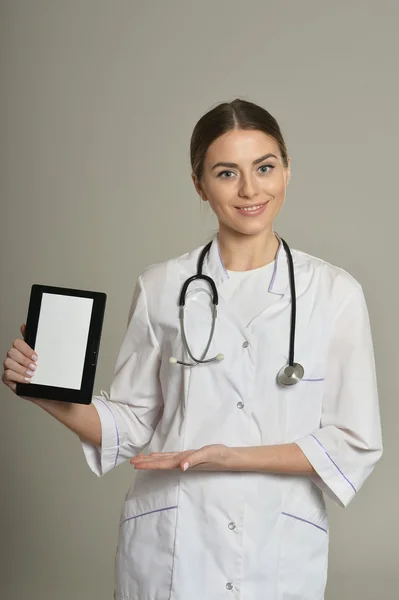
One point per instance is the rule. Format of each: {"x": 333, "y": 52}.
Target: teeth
{"x": 249, "y": 209}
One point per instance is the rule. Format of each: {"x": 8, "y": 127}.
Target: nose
{"x": 249, "y": 186}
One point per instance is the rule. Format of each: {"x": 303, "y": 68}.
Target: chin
{"x": 252, "y": 228}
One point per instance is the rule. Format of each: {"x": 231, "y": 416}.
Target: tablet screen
{"x": 61, "y": 340}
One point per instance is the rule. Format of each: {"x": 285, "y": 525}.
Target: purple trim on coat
{"x": 275, "y": 266}
{"x": 116, "y": 428}
{"x": 148, "y": 513}
{"x": 334, "y": 463}
{"x": 304, "y": 520}
{"x": 317, "y": 379}
{"x": 220, "y": 257}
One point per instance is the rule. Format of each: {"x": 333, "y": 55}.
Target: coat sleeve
{"x": 131, "y": 411}
{"x": 348, "y": 444}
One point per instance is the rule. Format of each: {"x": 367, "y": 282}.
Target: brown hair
{"x": 238, "y": 114}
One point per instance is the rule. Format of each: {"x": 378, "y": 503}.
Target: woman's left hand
{"x": 209, "y": 458}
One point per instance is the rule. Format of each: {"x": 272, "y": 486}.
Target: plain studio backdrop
{"x": 98, "y": 102}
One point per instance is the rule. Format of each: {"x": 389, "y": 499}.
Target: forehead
{"x": 241, "y": 145}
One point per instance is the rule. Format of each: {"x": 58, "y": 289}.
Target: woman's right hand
{"x": 19, "y": 366}
{"x": 20, "y": 363}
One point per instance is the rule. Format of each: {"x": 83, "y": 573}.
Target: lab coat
{"x": 238, "y": 535}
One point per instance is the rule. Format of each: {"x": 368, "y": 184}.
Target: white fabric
{"x": 241, "y": 535}
{"x": 248, "y": 292}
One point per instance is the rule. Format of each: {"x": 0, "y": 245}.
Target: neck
{"x": 240, "y": 252}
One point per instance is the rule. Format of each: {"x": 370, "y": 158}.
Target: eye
{"x": 264, "y": 170}
{"x": 269, "y": 167}
{"x": 223, "y": 172}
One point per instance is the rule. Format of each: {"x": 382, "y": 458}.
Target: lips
{"x": 255, "y": 209}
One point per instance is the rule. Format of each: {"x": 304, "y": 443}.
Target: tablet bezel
{"x": 47, "y": 392}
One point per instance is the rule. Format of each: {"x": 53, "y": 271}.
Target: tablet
{"x": 64, "y": 327}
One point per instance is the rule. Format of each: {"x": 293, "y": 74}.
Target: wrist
{"x": 235, "y": 459}
{"x": 42, "y": 402}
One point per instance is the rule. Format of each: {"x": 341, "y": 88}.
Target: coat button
{"x": 245, "y": 344}
{"x": 229, "y": 585}
{"x": 232, "y": 525}
{"x": 240, "y": 404}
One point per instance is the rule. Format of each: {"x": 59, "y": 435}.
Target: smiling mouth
{"x": 249, "y": 208}
{"x": 254, "y": 208}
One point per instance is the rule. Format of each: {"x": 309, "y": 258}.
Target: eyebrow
{"x": 234, "y": 165}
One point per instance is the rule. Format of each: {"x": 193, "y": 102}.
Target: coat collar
{"x": 279, "y": 284}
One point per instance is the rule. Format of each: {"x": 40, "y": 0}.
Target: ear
{"x": 288, "y": 172}
{"x": 198, "y": 186}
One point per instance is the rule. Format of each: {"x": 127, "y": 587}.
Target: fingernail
{"x": 32, "y": 366}
{"x": 185, "y": 466}
{"x": 30, "y": 373}
{"x": 27, "y": 378}
{"x": 34, "y": 357}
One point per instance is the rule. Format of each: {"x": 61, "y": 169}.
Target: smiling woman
{"x": 241, "y": 167}
{"x": 230, "y": 496}
{"x": 256, "y": 186}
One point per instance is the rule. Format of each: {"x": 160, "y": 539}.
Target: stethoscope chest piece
{"x": 290, "y": 374}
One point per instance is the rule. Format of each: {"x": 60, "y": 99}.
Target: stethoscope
{"x": 290, "y": 374}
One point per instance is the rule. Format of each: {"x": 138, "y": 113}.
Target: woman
{"x": 229, "y": 501}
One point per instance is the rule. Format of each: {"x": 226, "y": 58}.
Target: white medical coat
{"x": 238, "y": 535}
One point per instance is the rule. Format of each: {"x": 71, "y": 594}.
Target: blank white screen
{"x": 61, "y": 340}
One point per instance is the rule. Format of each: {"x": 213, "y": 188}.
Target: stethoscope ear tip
{"x": 173, "y": 360}
{"x": 220, "y": 357}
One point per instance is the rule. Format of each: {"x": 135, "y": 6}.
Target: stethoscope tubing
{"x": 288, "y": 375}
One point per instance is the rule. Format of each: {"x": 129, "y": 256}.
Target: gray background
{"x": 98, "y": 102}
